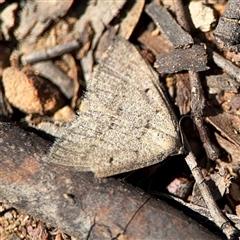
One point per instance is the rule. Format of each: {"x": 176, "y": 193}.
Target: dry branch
{"x": 78, "y": 203}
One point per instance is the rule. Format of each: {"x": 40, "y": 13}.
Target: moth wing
{"x": 125, "y": 122}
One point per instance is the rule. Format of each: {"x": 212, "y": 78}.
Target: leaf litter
{"x": 42, "y": 33}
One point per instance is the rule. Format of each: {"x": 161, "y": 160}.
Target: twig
{"x": 229, "y": 67}
{"x": 78, "y": 203}
{"x": 220, "y": 220}
{"x": 49, "y": 70}
{"x": 197, "y": 107}
{"x": 162, "y": 18}
{"x": 180, "y": 15}
{"x": 198, "y": 104}
{"x": 51, "y": 52}
{"x": 180, "y": 38}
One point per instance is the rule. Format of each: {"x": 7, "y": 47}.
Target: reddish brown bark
{"x": 76, "y": 202}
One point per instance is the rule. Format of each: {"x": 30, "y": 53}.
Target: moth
{"x": 125, "y": 121}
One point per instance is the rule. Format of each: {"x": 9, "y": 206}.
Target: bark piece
{"x": 31, "y": 93}
{"x": 37, "y": 15}
{"x": 6, "y": 110}
{"x": 152, "y": 42}
{"x": 176, "y": 35}
{"x": 228, "y": 124}
{"x": 131, "y": 17}
{"x": 105, "y": 41}
{"x": 93, "y": 14}
{"x": 72, "y": 72}
{"x": 78, "y": 203}
{"x": 194, "y": 59}
{"x": 227, "y": 31}
{"x": 183, "y": 98}
{"x": 8, "y": 19}
{"x": 220, "y": 83}
{"x": 228, "y": 66}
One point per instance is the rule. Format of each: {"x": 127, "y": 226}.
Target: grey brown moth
{"x": 125, "y": 121}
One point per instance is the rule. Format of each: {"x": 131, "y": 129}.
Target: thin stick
{"x": 180, "y": 38}
{"x": 197, "y": 107}
{"x": 197, "y": 96}
{"x": 218, "y": 217}
{"x": 180, "y": 15}
{"x": 50, "y": 53}
{"x": 225, "y": 64}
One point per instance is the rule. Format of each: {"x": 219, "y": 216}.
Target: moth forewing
{"x": 125, "y": 122}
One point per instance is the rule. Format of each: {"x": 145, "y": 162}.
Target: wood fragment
{"x": 8, "y": 19}
{"x": 229, "y": 67}
{"x": 152, "y": 42}
{"x": 35, "y": 16}
{"x": 50, "y": 53}
{"x": 6, "y": 110}
{"x": 202, "y": 15}
{"x": 226, "y": 123}
{"x": 96, "y": 209}
{"x": 176, "y": 35}
{"x": 73, "y": 73}
{"x": 93, "y": 13}
{"x": 50, "y": 71}
{"x": 219, "y": 218}
{"x": 222, "y": 82}
{"x": 180, "y": 14}
{"x": 105, "y": 41}
{"x": 227, "y": 31}
{"x": 133, "y": 10}
{"x": 193, "y": 58}
{"x": 183, "y": 98}
{"x": 197, "y": 107}
{"x": 154, "y": 10}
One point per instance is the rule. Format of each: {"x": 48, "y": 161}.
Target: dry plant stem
{"x": 180, "y": 14}
{"x": 229, "y": 67}
{"x": 173, "y": 31}
{"x": 197, "y": 107}
{"x": 50, "y": 71}
{"x": 197, "y": 97}
{"x": 220, "y": 220}
{"x": 78, "y": 203}
{"x": 51, "y": 52}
